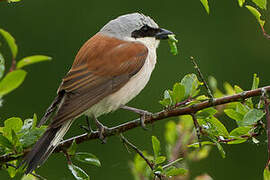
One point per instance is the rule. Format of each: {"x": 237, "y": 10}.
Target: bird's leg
{"x": 143, "y": 114}
{"x": 87, "y": 128}
{"x": 101, "y": 130}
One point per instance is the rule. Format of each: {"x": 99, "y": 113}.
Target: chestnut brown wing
{"x": 102, "y": 66}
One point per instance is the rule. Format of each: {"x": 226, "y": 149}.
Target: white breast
{"x": 132, "y": 88}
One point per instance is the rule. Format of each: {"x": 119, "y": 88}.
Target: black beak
{"x": 163, "y": 34}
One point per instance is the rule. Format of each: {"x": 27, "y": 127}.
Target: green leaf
{"x": 214, "y": 126}
{"x": 10, "y": 124}
{"x": 197, "y": 144}
{"x": 34, "y": 124}
{"x": 205, "y": 5}
{"x": 237, "y": 89}
{"x": 191, "y": 84}
{"x": 238, "y": 132}
{"x": 160, "y": 159}
{"x": 178, "y": 93}
{"x": 261, "y": 3}
{"x": 241, "y": 108}
{"x": 29, "y": 137}
{"x": 228, "y": 88}
{"x": 2, "y": 65}
{"x": 237, "y": 141}
{"x": 252, "y": 117}
{"x": 234, "y": 115}
{"x": 29, "y": 177}
{"x": 241, "y": 2}
{"x": 12, "y": 1}
{"x": 173, "y": 171}
{"x": 221, "y": 150}
{"x": 212, "y": 83}
{"x": 255, "y": 83}
{"x": 11, "y": 81}
{"x": 202, "y": 98}
{"x": 156, "y": 146}
{"x": 11, "y": 170}
{"x": 206, "y": 113}
{"x": 78, "y": 173}
{"x": 257, "y": 14}
{"x": 158, "y": 170}
{"x": 172, "y": 43}
{"x": 72, "y": 149}
{"x": 87, "y": 158}
{"x": 15, "y": 139}
{"x": 167, "y": 100}
{"x": 27, "y": 124}
{"x": 266, "y": 174}
{"x": 5, "y": 142}
{"x": 11, "y": 42}
{"x": 31, "y": 60}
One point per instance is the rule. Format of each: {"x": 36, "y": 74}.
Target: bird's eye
{"x": 145, "y": 28}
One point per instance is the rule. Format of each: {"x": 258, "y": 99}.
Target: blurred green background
{"x": 227, "y": 44}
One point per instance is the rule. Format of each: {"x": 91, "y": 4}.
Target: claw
{"x": 143, "y": 114}
{"x": 87, "y": 128}
{"x": 101, "y": 130}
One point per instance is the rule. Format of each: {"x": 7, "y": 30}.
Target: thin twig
{"x": 149, "y": 120}
{"x": 67, "y": 156}
{"x": 13, "y": 65}
{"x": 198, "y": 128}
{"x": 202, "y": 78}
{"x": 267, "y": 36}
{"x": 172, "y": 163}
{"x": 151, "y": 165}
{"x": 234, "y": 139}
{"x": 125, "y": 141}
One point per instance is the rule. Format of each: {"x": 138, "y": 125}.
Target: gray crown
{"x": 124, "y": 25}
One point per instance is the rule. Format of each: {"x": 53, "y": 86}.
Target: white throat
{"x": 149, "y": 42}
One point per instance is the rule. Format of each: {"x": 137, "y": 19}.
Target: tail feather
{"x": 52, "y": 108}
{"x": 44, "y": 147}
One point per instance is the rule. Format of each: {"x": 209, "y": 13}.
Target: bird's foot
{"x": 87, "y": 128}
{"x": 143, "y": 114}
{"x": 101, "y": 131}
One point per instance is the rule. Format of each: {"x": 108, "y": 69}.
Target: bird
{"x": 109, "y": 70}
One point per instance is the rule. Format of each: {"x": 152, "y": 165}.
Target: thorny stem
{"x": 149, "y": 120}
{"x": 202, "y": 78}
{"x": 151, "y": 165}
{"x": 197, "y": 128}
{"x": 67, "y": 156}
{"x": 125, "y": 141}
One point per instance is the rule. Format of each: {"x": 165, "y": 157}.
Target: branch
{"x": 266, "y": 35}
{"x": 149, "y": 120}
{"x": 125, "y": 141}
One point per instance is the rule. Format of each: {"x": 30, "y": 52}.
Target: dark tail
{"x": 40, "y": 151}
{"x": 44, "y": 147}
{"x": 48, "y": 141}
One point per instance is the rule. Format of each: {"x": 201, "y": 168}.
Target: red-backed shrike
{"x": 109, "y": 70}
